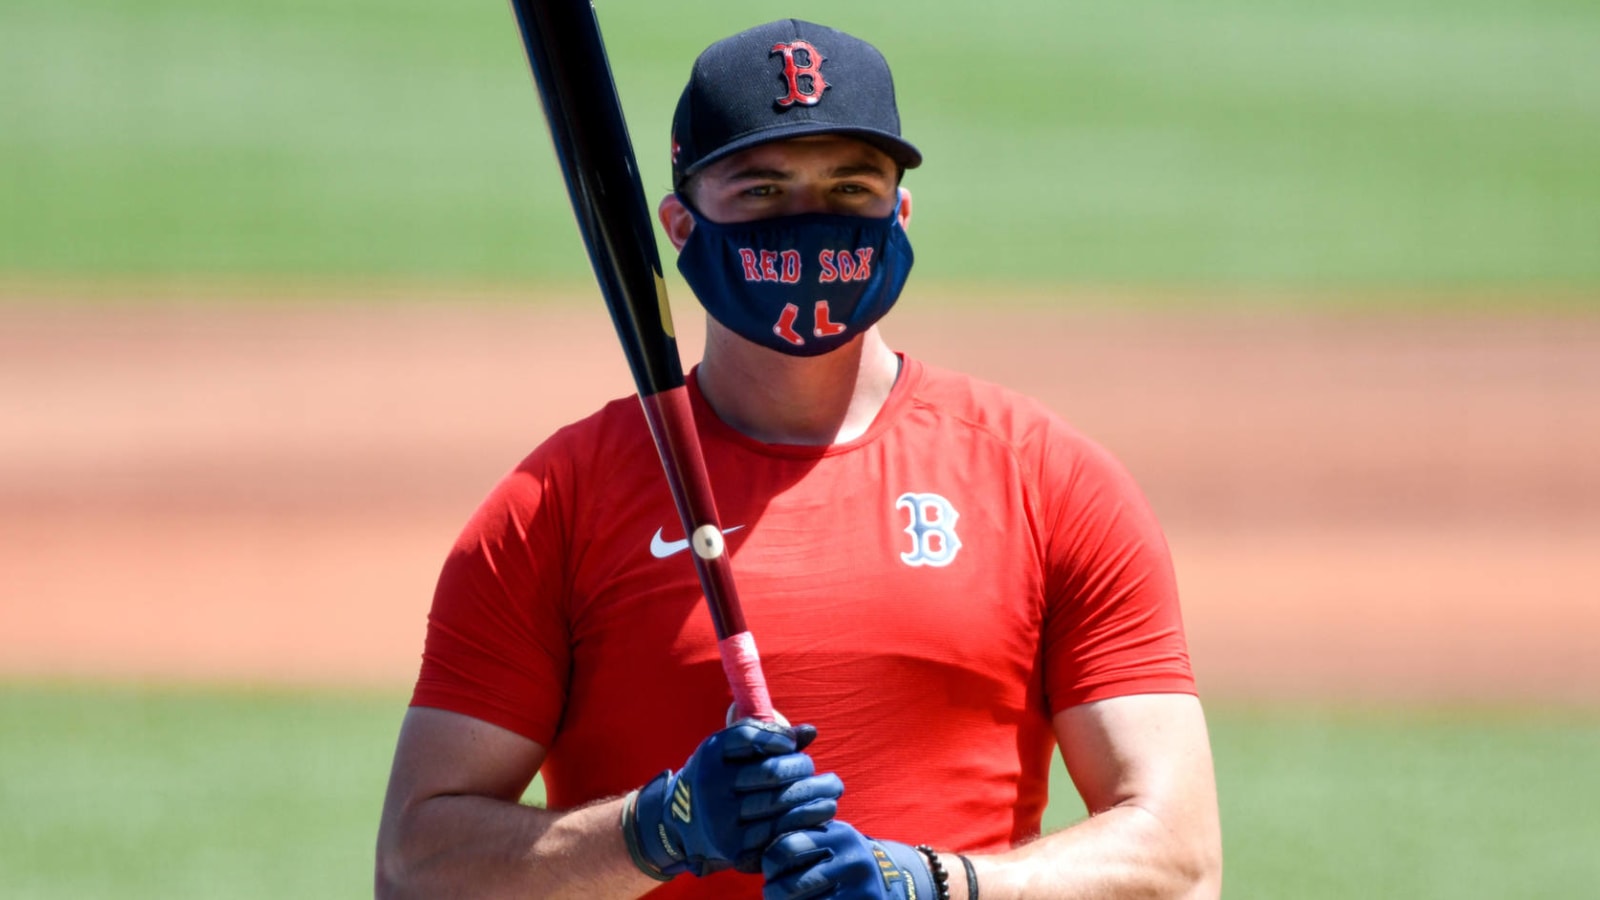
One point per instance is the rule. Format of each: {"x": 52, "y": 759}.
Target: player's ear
{"x": 903, "y": 209}
{"x": 675, "y": 219}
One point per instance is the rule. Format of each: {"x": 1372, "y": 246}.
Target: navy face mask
{"x": 801, "y": 285}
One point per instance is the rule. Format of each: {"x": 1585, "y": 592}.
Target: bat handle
{"x": 742, "y": 664}
{"x": 670, "y": 417}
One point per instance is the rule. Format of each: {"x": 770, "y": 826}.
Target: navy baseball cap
{"x": 782, "y": 80}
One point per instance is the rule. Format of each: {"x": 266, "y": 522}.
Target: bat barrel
{"x": 570, "y": 68}
{"x": 584, "y": 113}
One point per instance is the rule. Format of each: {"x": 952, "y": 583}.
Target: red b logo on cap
{"x": 804, "y": 74}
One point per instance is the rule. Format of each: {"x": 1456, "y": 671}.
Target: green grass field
{"x": 132, "y": 793}
{"x": 1435, "y": 143}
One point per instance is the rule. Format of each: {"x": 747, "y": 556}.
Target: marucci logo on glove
{"x": 886, "y": 867}
{"x": 681, "y": 808}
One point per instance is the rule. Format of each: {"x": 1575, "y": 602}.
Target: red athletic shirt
{"x": 927, "y": 595}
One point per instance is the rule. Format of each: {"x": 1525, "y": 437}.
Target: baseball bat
{"x": 570, "y": 68}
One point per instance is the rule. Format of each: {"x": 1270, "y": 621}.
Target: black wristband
{"x": 972, "y": 877}
{"x": 632, "y": 840}
{"x": 941, "y": 878}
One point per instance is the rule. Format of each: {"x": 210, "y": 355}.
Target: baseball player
{"x": 947, "y": 582}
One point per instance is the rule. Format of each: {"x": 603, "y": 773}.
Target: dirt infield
{"x": 1361, "y": 507}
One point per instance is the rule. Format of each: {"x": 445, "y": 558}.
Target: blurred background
{"x": 285, "y": 288}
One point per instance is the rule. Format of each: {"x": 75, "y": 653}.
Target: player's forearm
{"x": 1123, "y": 852}
{"x": 467, "y": 846}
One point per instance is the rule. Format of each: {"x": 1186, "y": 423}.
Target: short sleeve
{"x": 498, "y": 645}
{"x": 1112, "y": 622}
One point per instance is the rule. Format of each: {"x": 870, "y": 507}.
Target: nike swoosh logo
{"x": 661, "y": 549}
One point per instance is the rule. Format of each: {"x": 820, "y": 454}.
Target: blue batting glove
{"x": 835, "y": 860}
{"x": 743, "y": 786}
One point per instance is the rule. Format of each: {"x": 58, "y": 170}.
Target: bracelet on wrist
{"x": 941, "y": 878}
{"x": 630, "y": 837}
{"x": 972, "y": 877}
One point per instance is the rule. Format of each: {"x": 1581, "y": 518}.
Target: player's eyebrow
{"x": 858, "y": 169}
{"x": 760, "y": 173}
{"x": 765, "y": 173}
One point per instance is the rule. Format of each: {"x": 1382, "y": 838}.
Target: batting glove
{"x": 835, "y": 860}
{"x": 743, "y": 786}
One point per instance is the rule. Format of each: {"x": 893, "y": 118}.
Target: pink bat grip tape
{"x": 742, "y": 664}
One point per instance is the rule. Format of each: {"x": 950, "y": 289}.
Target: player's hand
{"x": 743, "y": 786}
{"x": 835, "y": 860}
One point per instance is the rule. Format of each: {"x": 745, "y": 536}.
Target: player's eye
{"x": 859, "y": 191}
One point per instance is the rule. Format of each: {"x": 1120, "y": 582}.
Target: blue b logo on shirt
{"x": 932, "y": 529}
